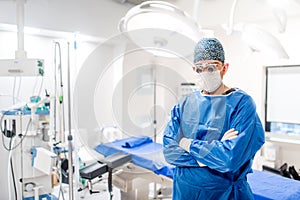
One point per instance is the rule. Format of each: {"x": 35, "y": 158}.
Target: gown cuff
{"x": 185, "y": 143}
{"x": 201, "y": 164}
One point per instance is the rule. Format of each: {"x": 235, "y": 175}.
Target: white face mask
{"x": 209, "y": 81}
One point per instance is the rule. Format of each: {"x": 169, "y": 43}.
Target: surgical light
{"x": 257, "y": 38}
{"x": 260, "y": 40}
{"x": 166, "y": 24}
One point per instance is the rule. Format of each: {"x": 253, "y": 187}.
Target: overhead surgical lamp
{"x": 257, "y": 38}
{"x": 260, "y": 40}
{"x": 166, "y": 25}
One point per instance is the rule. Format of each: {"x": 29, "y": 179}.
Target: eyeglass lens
{"x": 210, "y": 67}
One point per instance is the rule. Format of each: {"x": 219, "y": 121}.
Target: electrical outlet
{"x": 270, "y": 153}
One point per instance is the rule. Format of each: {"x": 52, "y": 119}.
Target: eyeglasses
{"x": 209, "y": 67}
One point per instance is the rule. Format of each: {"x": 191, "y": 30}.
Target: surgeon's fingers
{"x": 231, "y": 137}
{"x": 230, "y": 134}
{"x": 229, "y": 131}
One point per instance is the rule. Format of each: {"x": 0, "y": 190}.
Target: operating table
{"x": 99, "y": 168}
{"x": 146, "y": 154}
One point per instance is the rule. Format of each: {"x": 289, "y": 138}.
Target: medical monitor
{"x": 282, "y": 100}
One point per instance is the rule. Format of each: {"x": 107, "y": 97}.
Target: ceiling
{"x": 101, "y": 17}
{"x": 216, "y": 12}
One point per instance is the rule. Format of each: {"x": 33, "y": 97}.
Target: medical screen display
{"x": 283, "y": 99}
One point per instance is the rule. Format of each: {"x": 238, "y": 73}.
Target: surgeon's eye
{"x": 199, "y": 70}
{"x": 200, "y": 67}
{"x": 209, "y": 67}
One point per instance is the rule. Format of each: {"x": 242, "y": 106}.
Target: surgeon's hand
{"x": 185, "y": 143}
{"x": 230, "y": 134}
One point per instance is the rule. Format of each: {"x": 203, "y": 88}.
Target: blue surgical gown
{"x": 205, "y": 119}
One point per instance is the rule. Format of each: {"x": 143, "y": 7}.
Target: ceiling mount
{"x": 21, "y": 65}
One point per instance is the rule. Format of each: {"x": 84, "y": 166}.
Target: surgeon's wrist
{"x": 201, "y": 164}
{"x": 185, "y": 143}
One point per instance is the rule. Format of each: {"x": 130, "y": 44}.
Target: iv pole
{"x": 154, "y": 116}
{"x": 154, "y": 102}
{"x": 62, "y": 123}
{"x": 55, "y": 87}
{"x": 70, "y": 138}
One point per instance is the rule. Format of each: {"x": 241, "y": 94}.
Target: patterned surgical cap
{"x": 209, "y": 49}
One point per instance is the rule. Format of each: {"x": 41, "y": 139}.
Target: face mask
{"x": 209, "y": 81}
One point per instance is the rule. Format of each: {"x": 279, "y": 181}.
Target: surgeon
{"x": 213, "y": 133}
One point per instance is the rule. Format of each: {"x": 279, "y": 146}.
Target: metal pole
{"x": 70, "y": 147}
{"x": 154, "y": 116}
{"x": 154, "y": 102}
{"x": 55, "y": 92}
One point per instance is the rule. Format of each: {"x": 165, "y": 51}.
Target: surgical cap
{"x": 209, "y": 49}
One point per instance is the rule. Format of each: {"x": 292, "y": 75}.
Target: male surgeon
{"x": 213, "y": 134}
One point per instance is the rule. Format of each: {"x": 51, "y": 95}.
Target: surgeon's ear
{"x": 194, "y": 68}
{"x": 225, "y": 68}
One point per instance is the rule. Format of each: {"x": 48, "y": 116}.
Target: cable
{"x": 60, "y": 96}
{"x": 55, "y": 83}
{"x": 8, "y": 95}
{"x": 35, "y": 86}
{"x": 40, "y": 90}
{"x": 22, "y": 158}
{"x": 18, "y": 92}
{"x": 14, "y": 88}
{"x": 10, "y": 165}
{"x": 61, "y": 100}
{"x": 15, "y": 96}
{"x": 60, "y": 182}
{"x": 8, "y": 168}
{"x": 3, "y": 144}
{"x": 13, "y": 175}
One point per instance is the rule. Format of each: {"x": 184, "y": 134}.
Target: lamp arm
{"x": 231, "y": 17}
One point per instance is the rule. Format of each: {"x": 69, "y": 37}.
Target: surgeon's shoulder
{"x": 242, "y": 97}
{"x": 191, "y": 98}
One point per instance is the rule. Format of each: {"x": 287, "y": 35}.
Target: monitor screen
{"x": 282, "y": 100}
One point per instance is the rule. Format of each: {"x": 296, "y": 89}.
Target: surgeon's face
{"x": 210, "y": 66}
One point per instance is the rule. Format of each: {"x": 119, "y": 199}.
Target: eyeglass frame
{"x": 210, "y": 67}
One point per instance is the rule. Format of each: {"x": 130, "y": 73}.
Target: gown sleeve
{"x": 173, "y": 153}
{"x": 231, "y": 155}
